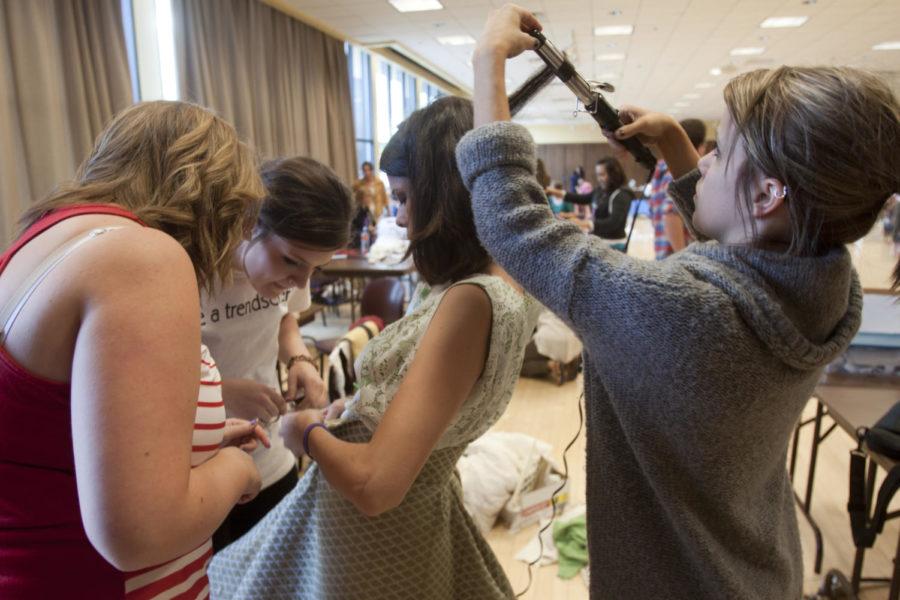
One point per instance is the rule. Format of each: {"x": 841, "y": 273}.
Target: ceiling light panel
{"x": 456, "y": 40}
{"x": 416, "y": 5}
{"x": 748, "y": 51}
{"x": 781, "y": 22}
{"x": 614, "y": 30}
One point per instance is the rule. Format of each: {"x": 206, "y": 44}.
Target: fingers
{"x": 615, "y": 144}
{"x": 529, "y": 22}
{"x": 626, "y": 131}
{"x": 274, "y": 400}
{"x": 259, "y": 433}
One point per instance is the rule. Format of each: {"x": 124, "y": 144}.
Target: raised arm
{"x": 376, "y": 476}
{"x": 578, "y": 277}
{"x": 135, "y": 382}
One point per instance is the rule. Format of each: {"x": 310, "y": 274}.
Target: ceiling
{"x": 674, "y": 45}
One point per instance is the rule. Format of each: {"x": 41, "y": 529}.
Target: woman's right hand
{"x": 506, "y": 32}
{"x": 248, "y": 399}
{"x": 651, "y": 128}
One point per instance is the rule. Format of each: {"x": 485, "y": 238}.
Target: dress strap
{"x": 16, "y": 302}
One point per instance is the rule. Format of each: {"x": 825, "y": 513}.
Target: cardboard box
{"x": 532, "y": 499}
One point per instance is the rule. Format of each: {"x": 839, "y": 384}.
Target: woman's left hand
{"x": 294, "y": 424}
{"x": 244, "y": 435}
{"x": 305, "y": 376}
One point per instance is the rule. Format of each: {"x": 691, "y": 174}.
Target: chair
{"x": 382, "y": 298}
{"x": 328, "y": 291}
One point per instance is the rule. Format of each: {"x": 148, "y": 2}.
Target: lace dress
{"x": 317, "y": 545}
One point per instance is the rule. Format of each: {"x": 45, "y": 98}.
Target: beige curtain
{"x": 282, "y": 83}
{"x": 63, "y": 75}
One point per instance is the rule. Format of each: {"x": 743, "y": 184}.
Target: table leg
{"x": 810, "y": 478}
{"x": 794, "y": 451}
{"x": 860, "y": 555}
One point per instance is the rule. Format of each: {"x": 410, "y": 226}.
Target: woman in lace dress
{"x": 380, "y": 512}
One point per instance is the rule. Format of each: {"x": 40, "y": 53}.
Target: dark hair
{"x": 614, "y": 171}
{"x": 696, "y": 131}
{"x": 534, "y": 84}
{"x": 830, "y": 134}
{"x": 306, "y": 203}
{"x": 442, "y": 236}
{"x": 368, "y": 164}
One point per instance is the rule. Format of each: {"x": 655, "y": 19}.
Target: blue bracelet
{"x": 306, "y": 433}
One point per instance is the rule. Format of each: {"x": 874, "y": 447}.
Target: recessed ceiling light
{"x": 615, "y": 12}
{"x": 682, "y": 104}
{"x": 887, "y": 46}
{"x": 715, "y": 71}
{"x": 416, "y": 5}
{"x": 748, "y": 51}
{"x": 703, "y": 85}
{"x": 779, "y": 22}
{"x": 611, "y": 56}
{"x": 614, "y": 30}
{"x": 691, "y": 96}
{"x": 456, "y": 40}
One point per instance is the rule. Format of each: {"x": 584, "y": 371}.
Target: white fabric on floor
{"x": 490, "y": 469}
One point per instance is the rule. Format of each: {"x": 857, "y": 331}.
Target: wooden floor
{"x": 545, "y": 411}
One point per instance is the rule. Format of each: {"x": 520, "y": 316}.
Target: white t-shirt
{"x": 240, "y": 328}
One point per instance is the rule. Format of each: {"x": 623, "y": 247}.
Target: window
{"x": 383, "y": 95}
{"x": 429, "y": 93}
{"x": 360, "y": 67}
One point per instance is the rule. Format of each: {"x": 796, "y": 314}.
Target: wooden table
{"x": 851, "y": 402}
{"x": 358, "y": 268}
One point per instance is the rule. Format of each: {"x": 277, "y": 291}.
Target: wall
{"x": 561, "y": 160}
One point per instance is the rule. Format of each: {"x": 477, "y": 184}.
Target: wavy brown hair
{"x": 180, "y": 169}
{"x": 830, "y": 134}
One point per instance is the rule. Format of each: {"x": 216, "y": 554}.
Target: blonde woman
{"x": 111, "y": 425}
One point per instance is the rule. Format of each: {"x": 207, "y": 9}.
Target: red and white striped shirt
{"x": 185, "y": 577}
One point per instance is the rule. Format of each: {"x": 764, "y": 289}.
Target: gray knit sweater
{"x": 696, "y": 370}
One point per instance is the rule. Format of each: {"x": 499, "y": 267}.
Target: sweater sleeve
{"x": 577, "y": 276}
{"x": 681, "y": 191}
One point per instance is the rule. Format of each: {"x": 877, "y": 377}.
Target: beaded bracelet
{"x": 306, "y": 433}
{"x": 300, "y": 358}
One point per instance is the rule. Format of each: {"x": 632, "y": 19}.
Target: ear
{"x": 770, "y": 197}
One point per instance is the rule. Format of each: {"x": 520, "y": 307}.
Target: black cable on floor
{"x": 553, "y": 497}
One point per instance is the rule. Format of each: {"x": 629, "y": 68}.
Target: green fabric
{"x": 570, "y": 538}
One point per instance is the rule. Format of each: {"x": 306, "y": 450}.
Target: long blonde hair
{"x": 180, "y": 169}
{"x": 831, "y": 135}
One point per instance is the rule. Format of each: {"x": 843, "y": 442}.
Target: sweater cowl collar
{"x": 804, "y": 309}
